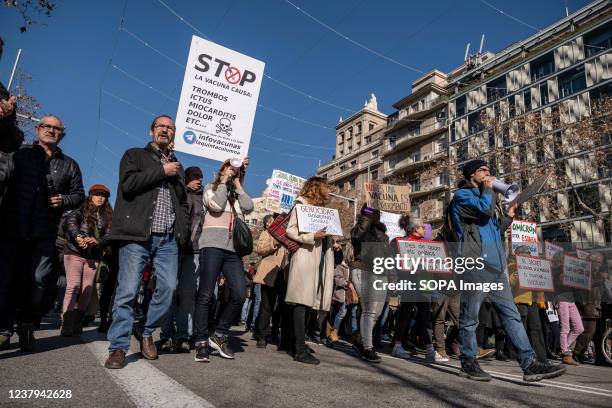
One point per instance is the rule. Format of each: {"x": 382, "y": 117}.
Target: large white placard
{"x": 282, "y": 191}
{"x": 391, "y": 221}
{"x": 534, "y": 273}
{"x": 430, "y": 256}
{"x": 313, "y": 219}
{"x": 576, "y": 273}
{"x": 524, "y": 233}
{"x": 218, "y": 101}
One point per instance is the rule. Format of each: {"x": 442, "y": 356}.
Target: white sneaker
{"x": 398, "y": 351}
{"x": 430, "y": 355}
{"x": 439, "y": 359}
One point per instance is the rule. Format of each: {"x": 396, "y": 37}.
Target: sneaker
{"x": 202, "y": 352}
{"x": 400, "y": 352}
{"x": 471, "y": 369}
{"x": 430, "y": 355}
{"x": 221, "y": 344}
{"x": 302, "y": 355}
{"x": 261, "y": 343}
{"x": 538, "y": 371}
{"x": 5, "y": 341}
{"x": 167, "y": 346}
{"x": 441, "y": 357}
{"x": 182, "y": 346}
{"x": 385, "y": 337}
{"x": 371, "y": 356}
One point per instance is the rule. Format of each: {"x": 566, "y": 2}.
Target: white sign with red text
{"x": 534, "y": 273}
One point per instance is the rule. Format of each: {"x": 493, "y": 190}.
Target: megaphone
{"x": 509, "y": 191}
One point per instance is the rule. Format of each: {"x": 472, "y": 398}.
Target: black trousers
{"x": 269, "y": 295}
{"x": 530, "y": 315}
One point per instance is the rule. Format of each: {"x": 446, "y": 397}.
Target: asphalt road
{"x": 267, "y": 378}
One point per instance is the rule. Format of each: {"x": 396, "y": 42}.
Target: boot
{"x": 78, "y": 322}
{"x": 26, "y": 337}
{"x": 328, "y": 329}
{"x": 303, "y": 356}
{"x": 568, "y": 360}
{"x": 333, "y": 336}
{"x": 67, "y": 329}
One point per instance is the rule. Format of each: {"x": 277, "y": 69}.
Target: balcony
{"x": 424, "y": 133}
{"x": 357, "y": 169}
{"x": 429, "y": 106}
{"x": 427, "y": 189}
{"x": 409, "y": 163}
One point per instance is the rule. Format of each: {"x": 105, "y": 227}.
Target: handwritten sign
{"x": 430, "y": 256}
{"x": 551, "y": 249}
{"x": 282, "y": 191}
{"x": 576, "y": 273}
{"x": 218, "y": 101}
{"x": 313, "y": 219}
{"x": 534, "y": 273}
{"x": 524, "y": 233}
{"x": 387, "y": 197}
{"x": 583, "y": 254}
{"x": 391, "y": 221}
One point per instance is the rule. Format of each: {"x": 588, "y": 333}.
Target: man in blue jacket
{"x": 479, "y": 235}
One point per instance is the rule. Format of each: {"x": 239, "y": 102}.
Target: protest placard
{"x": 524, "y": 233}
{"x": 282, "y": 191}
{"x": 534, "y": 273}
{"x": 313, "y": 219}
{"x": 551, "y": 249}
{"x": 387, "y": 197}
{"x": 583, "y": 254}
{"x": 576, "y": 273}
{"x": 218, "y": 102}
{"x": 391, "y": 221}
{"x": 430, "y": 256}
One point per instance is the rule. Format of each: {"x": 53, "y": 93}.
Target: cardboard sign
{"x": 551, "y": 249}
{"x": 583, "y": 254}
{"x": 576, "y": 273}
{"x": 524, "y": 233}
{"x": 391, "y": 221}
{"x": 313, "y": 219}
{"x": 430, "y": 256}
{"x": 282, "y": 191}
{"x": 387, "y": 197}
{"x": 218, "y": 102}
{"x": 534, "y": 273}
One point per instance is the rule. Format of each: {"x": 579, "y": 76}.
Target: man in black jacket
{"x": 150, "y": 221}
{"x": 45, "y": 183}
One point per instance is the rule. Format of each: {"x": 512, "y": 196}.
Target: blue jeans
{"x": 339, "y": 315}
{"x": 213, "y": 262}
{"x": 183, "y": 303}
{"x": 508, "y": 313}
{"x": 245, "y": 309}
{"x": 133, "y": 256}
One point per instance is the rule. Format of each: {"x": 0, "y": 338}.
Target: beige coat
{"x": 274, "y": 259}
{"x": 304, "y": 287}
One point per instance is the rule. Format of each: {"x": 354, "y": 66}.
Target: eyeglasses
{"x": 172, "y": 128}
{"x": 51, "y": 127}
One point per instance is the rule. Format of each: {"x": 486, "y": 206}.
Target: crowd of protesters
{"x": 168, "y": 257}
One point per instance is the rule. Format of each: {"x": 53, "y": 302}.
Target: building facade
{"x": 560, "y": 72}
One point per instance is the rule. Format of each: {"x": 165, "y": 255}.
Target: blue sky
{"x": 68, "y": 57}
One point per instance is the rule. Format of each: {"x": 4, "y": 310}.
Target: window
{"x": 358, "y": 128}
{"x": 572, "y": 81}
{"x": 453, "y": 135}
{"x": 540, "y": 154}
{"x": 598, "y": 40}
{"x": 370, "y": 126}
{"x": 353, "y": 163}
{"x": 444, "y": 179}
{"x": 523, "y": 157}
{"x": 491, "y": 140}
{"x": 460, "y": 104}
{"x": 374, "y": 175}
{"x": 341, "y": 152}
{"x": 496, "y": 89}
{"x": 392, "y": 162}
{"x": 558, "y": 146}
{"x": 543, "y": 66}
{"x": 352, "y": 183}
{"x": 350, "y": 149}
{"x": 350, "y": 133}
{"x": 415, "y": 183}
{"x": 416, "y": 156}
{"x": 375, "y": 153}
{"x": 527, "y": 100}
{"x": 368, "y": 139}
{"x": 474, "y": 123}
{"x": 506, "y": 137}
{"x": 462, "y": 152}
{"x": 343, "y": 167}
{"x": 392, "y": 142}
{"x": 544, "y": 94}
{"x": 512, "y": 106}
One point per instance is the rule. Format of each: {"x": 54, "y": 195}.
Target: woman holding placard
{"x": 310, "y": 282}
{"x": 224, "y": 200}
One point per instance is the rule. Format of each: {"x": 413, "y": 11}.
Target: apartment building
{"x": 559, "y": 72}
{"x": 358, "y": 157}
{"x": 415, "y": 140}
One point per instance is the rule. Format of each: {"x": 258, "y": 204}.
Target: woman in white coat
{"x": 310, "y": 282}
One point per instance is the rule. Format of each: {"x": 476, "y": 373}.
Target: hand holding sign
{"x": 320, "y": 234}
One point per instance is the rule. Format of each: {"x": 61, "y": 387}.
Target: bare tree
{"x": 31, "y": 8}
{"x": 28, "y": 106}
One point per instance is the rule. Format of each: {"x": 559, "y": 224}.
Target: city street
{"x": 267, "y": 378}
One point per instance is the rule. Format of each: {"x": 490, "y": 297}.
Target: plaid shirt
{"x": 163, "y": 214}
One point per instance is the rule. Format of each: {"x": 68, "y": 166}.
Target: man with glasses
{"x": 150, "y": 222}
{"x": 479, "y": 229}
{"x": 45, "y": 184}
